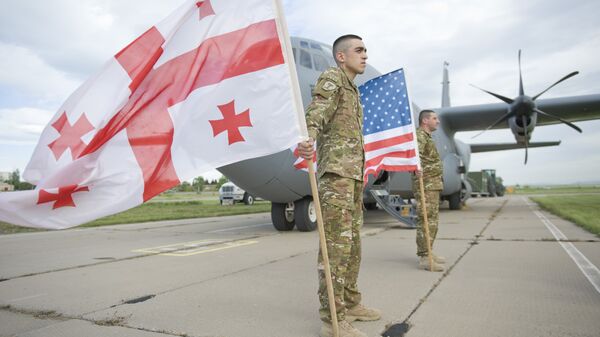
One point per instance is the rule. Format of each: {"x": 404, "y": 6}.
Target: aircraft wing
{"x": 479, "y": 117}
{"x": 475, "y": 148}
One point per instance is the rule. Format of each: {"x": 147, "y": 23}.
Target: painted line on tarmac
{"x": 588, "y": 269}
{"x": 25, "y": 298}
{"x": 194, "y": 247}
{"x": 240, "y": 227}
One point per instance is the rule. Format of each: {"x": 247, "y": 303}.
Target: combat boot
{"x": 361, "y": 313}
{"x": 424, "y": 263}
{"x": 345, "y": 330}
{"x": 438, "y": 259}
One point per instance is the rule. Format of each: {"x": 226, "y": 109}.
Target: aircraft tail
{"x": 445, "y": 87}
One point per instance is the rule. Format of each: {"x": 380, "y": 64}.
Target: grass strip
{"x": 583, "y": 210}
{"x": 557, "y": 190}
{"x": 158, "y": 211}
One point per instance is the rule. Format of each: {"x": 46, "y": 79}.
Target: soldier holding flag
{"x": 334, "y": 118}
{"x": 431, "y": 172}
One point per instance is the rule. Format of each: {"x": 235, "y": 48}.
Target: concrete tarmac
{"x": 507, "y": 275}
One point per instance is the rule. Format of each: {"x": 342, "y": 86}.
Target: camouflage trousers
{"x": 432, "y": 203}
{"x": 341, "y": 204}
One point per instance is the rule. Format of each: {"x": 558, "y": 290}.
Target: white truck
{"x": 229, "y": 194}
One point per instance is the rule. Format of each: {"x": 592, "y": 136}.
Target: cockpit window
{"x": 305, "y": 60}
{"x": 304, "y": 44}
{"x": 320, "y": 62}
{"x": 315, "y": 46}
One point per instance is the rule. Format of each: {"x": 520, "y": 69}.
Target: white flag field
{"x": 212, "y": 84}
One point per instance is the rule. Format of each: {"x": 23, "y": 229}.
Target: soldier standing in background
{"x": 432, "y": 172}
{"x": 334, "y": 118}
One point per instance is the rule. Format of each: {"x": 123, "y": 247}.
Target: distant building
{"x": 4, "y": 187}
{"x": 5, "y": 176}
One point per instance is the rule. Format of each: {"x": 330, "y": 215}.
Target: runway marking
{"x": 240, "y": 227}
{"x": 588, "y": 269}
{"x": 25, "y": 298}
{"x": 194, "y": 247}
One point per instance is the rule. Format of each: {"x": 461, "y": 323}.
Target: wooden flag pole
{"x": 323, "y": 244}
{"x": 425, "y": 222}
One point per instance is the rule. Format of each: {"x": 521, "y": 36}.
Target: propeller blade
{"x": 521, "y": 91}
{"x": 500, "y": 97}
{"x": 558, "y": 118}
{"x": 526, "y": 140}
{"x": 557, "y": 82}
{"x": 498, "y": 121}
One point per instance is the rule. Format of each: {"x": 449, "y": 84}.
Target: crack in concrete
{"x": 121, "y": 321}
{"x": 115, "y": 321}
{"x": 209, "y": 279}
{"x": 472, "y": 243}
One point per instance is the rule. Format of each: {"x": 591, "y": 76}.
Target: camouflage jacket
{"x": 335, "y": 119}
{"x": 430, "y": 162}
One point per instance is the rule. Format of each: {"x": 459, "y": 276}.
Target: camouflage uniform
{"x": 334, "y": 119}
{"x": 432, "y": 181}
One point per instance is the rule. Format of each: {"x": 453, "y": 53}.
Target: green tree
{"x": 198, "y": 184}
{"x": 185, "y": 187}
{"x": 222, "y": 181}
{"x": 15, "y": 178}
{"x": 23, "y": 185}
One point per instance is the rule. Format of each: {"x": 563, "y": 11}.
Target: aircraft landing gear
{"x": 300, "y": 213}
{"x": 282, "y": 216}
{"x": 454, "y": 200}
{"x": 305, "y": 215}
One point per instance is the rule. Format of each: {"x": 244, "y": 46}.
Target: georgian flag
{"x": 210, "y": 85}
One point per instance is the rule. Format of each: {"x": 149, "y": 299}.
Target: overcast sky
{"x": 48, "y": 48}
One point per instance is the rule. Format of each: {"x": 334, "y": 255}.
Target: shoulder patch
{"x": 329, "y": 85}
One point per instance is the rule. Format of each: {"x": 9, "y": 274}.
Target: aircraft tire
{"x": 305, "y": 215}
{"x": 248, "y": 199}
{"x": 281, "y": 221}
{"x": 454, "y": 201}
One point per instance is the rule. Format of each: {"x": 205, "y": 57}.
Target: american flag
{"x": 388, "y": 127}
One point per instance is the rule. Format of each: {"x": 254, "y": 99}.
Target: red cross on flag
{"x": 208, "y": 86}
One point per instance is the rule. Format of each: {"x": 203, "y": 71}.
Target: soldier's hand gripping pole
{"x": 323, "y": 244}
{"x": 425, "y": 222}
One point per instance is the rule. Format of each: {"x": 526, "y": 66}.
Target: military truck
{"x": 479, "y": 183}
{"x": 485, "y": 183}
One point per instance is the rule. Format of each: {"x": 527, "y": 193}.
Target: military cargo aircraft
{"x": 275, "y": 177}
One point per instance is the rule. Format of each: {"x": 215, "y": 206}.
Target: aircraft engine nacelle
{"x": 519, "y": 124}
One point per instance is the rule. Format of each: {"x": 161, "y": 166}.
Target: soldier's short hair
{"x": 424, "y": 114}
{"x": 341, "y": 44}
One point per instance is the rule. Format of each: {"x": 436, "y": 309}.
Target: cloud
{"x": 76, "y": 37}
{"x": 47, "y": 48}
{"x": 23, "y": 126}
{"x": 23, "y": 71}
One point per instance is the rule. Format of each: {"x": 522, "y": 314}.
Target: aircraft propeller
{"x": 523, "y": 107}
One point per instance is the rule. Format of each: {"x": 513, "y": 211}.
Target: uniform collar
{"x": 347, "y": 80}
{"x": 420, "y": 129}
